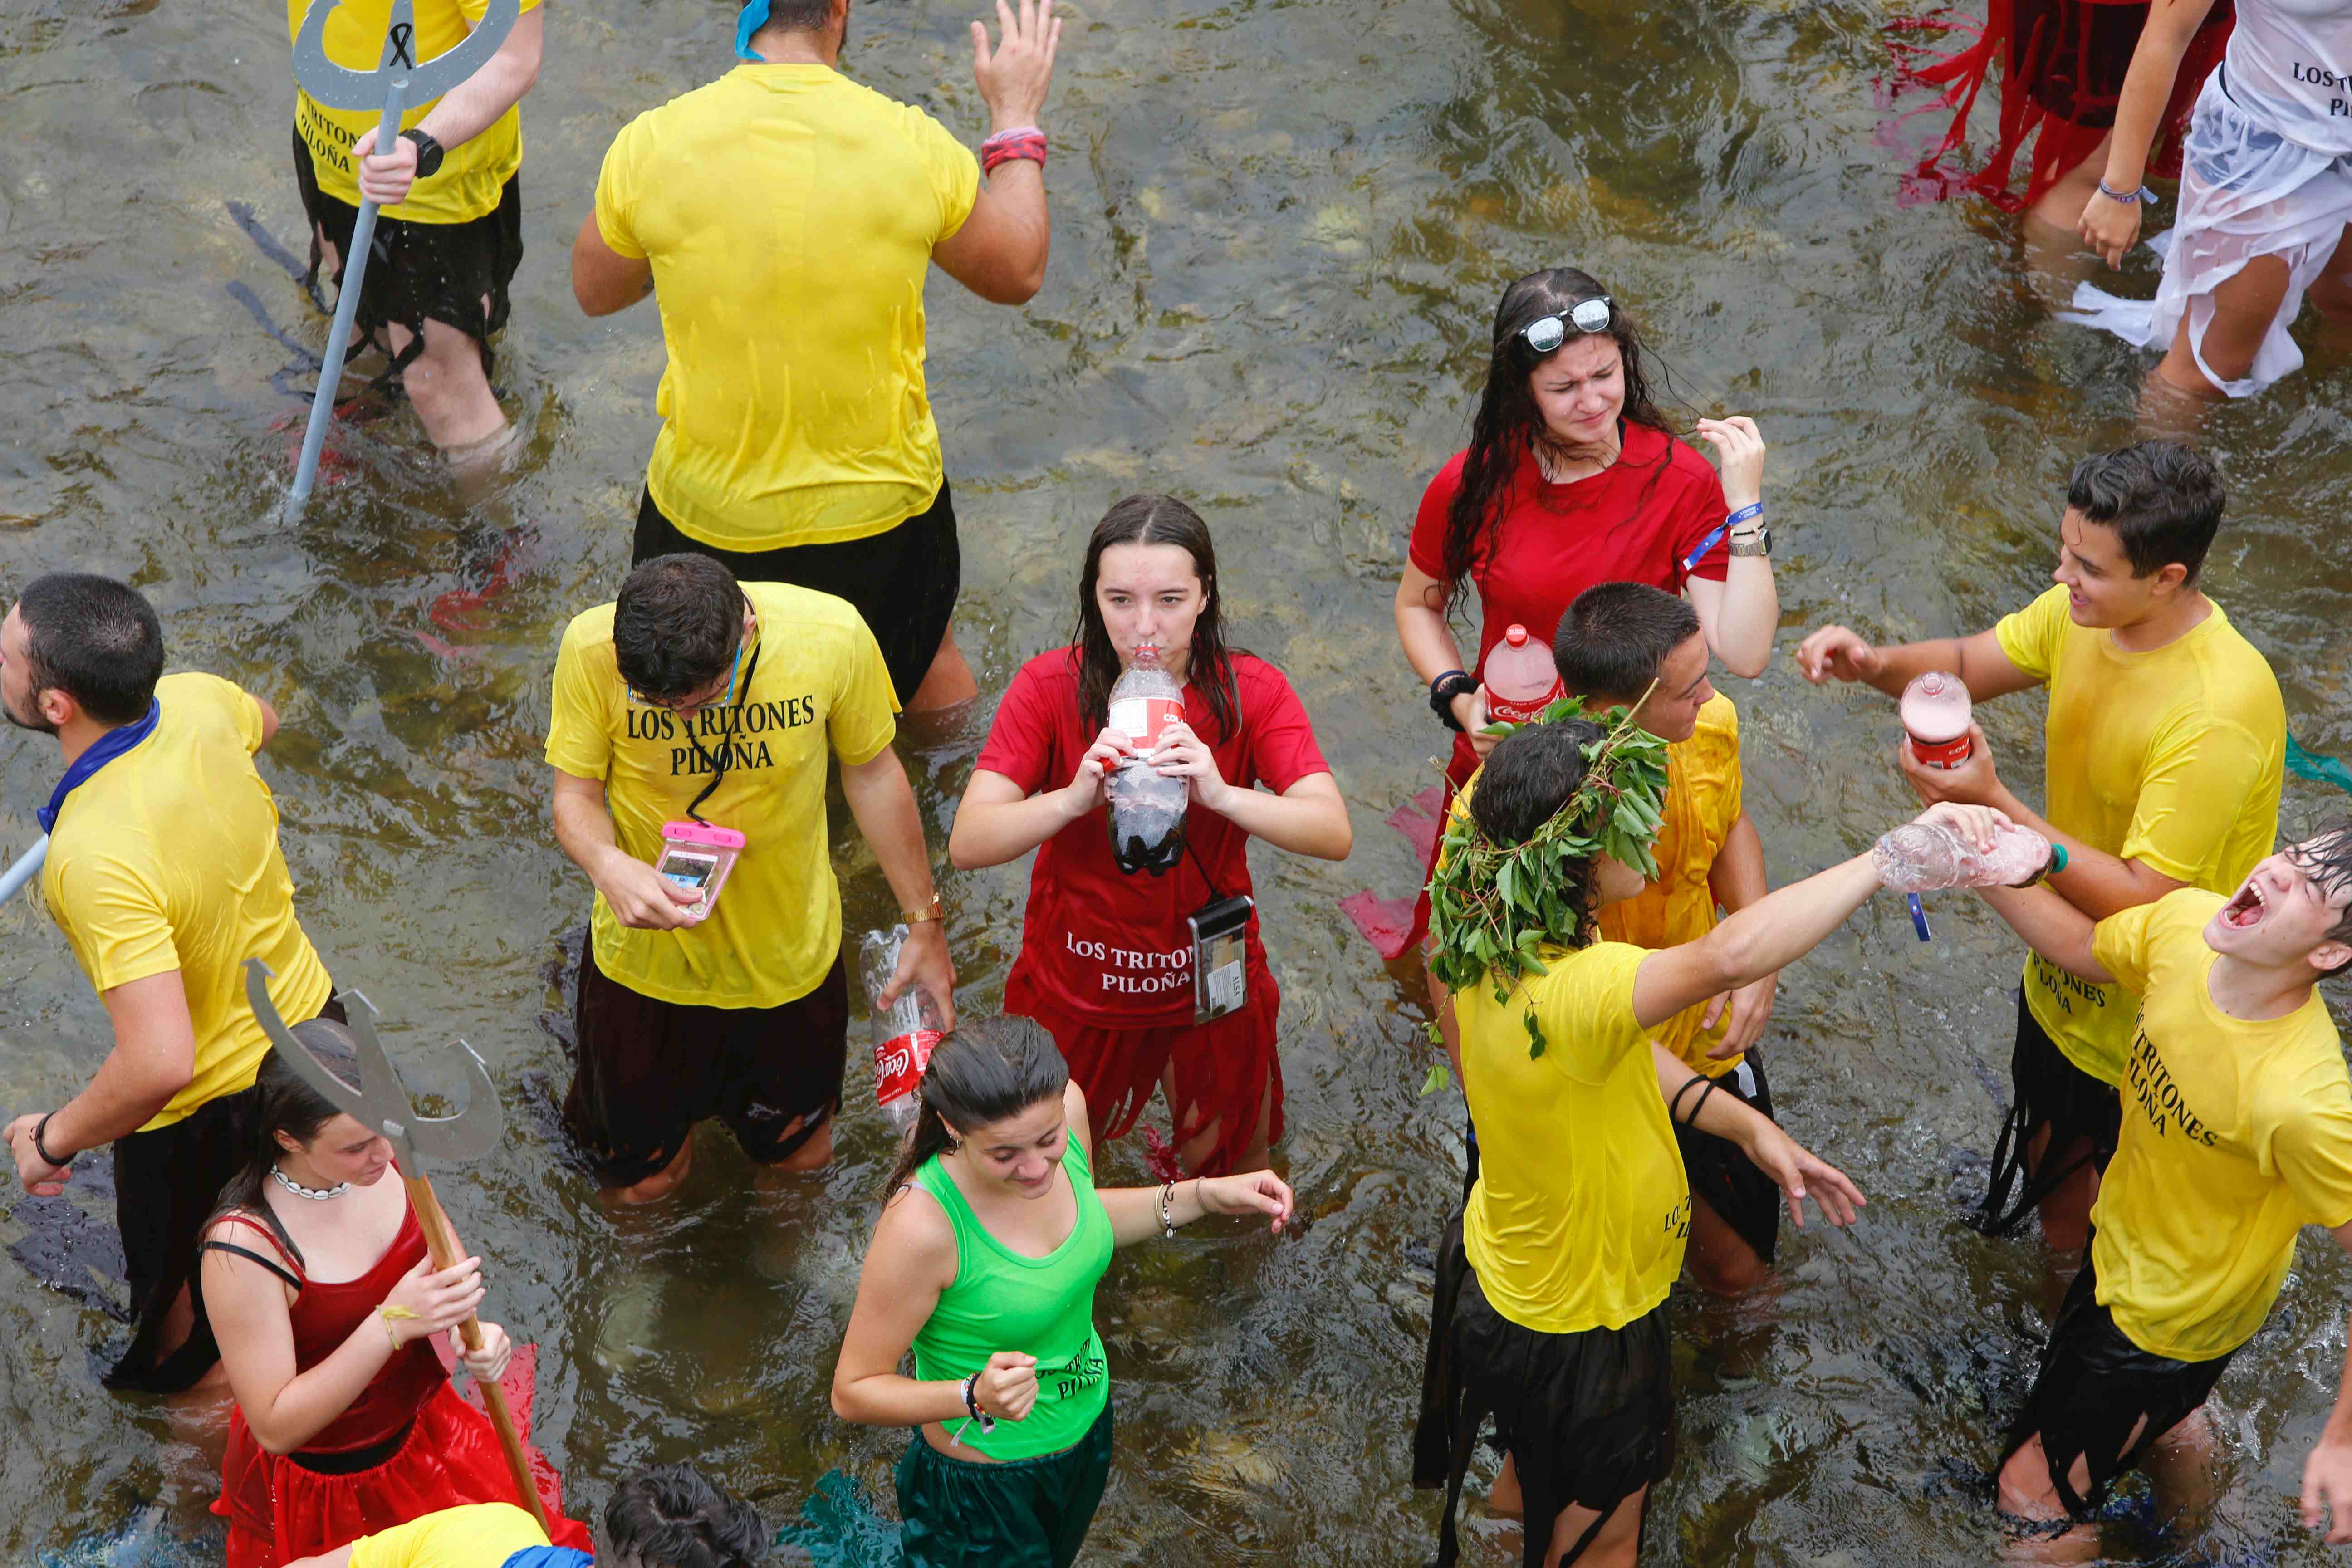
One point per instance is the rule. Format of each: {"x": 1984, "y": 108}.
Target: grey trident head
{"x": 340, "y": 87}
{"x": 381, "y": 1102}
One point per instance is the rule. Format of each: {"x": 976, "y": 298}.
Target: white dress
{"x": 2267, "y": 171}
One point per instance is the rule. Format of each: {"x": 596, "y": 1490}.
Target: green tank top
{"x": 1043, "y": 1307}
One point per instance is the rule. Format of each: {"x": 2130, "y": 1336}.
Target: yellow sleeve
{"x": 475, "y": 10}
{"x": 579, "y": 731}
{"x": 2029, "y": 637}
{"x": 2199, "y": 773}
{"x": 2313, "y": 1152}
{"x": 617, "y": 193}
{"x": 1586, "y": 1008}
{"x": 953, "y": 169}
{"x": 117, "y": 924}
{"x": 474, "y": 1535}
{"x": 863, "y": 717}
{"x": 2121, "y": 944}
{"x": 239, "y": 707}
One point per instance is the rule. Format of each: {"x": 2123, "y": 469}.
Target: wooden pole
{"x": 441, "y": 1248}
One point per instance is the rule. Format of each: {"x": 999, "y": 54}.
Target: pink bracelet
{"x": 1026, "y": 142}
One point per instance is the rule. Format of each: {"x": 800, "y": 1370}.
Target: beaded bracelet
{"x": 1023, "y": 141}
{"x": 2129, "y": 198}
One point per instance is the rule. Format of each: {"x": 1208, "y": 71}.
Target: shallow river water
{"x": 1280, "y": 229}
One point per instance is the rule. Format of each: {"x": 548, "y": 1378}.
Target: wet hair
{"x": 2325, "y": 857}
{"x": 2164, "y": 501}
{"x": 95, "y": 639}
{"x": 1528, "y": 776}
{"x": 798, "y": 15}
{"x": 987, "y": 1070}
{"x": 1617, "y": 636}
{"x": 284, "y": 1103}
{"x": 1155, "y": 520}
{"x": 674, "y": 1516}
{"x": 677, "y": 624}
{"x": 1508, "y": 422}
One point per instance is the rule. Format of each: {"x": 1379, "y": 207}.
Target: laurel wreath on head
{"x": 1492, "y": 906}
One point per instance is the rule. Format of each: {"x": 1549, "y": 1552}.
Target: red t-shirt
{"x": 1636, "y": 521}
{"x": 1110, "y": 948}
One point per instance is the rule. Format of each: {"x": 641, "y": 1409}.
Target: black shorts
{"x": 903, "y": 582}
{"x": 648, "y": 1070}
{"x": 420, "y": 271}
{"x": 2101, "y": 1398}
{"x": 1721, "y": 1174}
{"x": 1026, "y": 1513}
{"x": 1589, "y": 1417}
{"x": 2051, "y": 1092}
{"x": 166, "y": 1185}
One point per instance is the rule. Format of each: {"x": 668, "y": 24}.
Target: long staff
{"x": 27, "y": 867}
{"x": 381, "y": 1104}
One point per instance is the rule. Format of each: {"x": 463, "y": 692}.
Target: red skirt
{"x": 277, "y": 1510}
{"x": 1224, "y": 1071}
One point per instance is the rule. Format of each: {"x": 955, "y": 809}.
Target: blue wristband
{"x": 1752, "y": 513}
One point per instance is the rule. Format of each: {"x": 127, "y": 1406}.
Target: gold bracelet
{"x": 388, "y": 1314}
{"x": 917, "y": 917}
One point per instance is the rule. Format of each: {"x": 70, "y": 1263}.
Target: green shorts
{"x": 1027, "y": 1513}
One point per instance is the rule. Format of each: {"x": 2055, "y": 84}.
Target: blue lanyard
{"x": 108, "y": 747}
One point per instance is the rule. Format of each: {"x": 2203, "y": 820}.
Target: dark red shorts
{"x": 648, "y": 1070}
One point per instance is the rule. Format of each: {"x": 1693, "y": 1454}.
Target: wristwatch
{"x": 917, "y": 917}
{"x": 1444, "y": 690}
{"x": 1758, "y": 543}
{"x": 429, "y": 153}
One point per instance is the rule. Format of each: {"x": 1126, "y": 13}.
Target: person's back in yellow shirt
{"x": 474, "y": 1535}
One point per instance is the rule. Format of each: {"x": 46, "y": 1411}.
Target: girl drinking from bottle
{"x": 1109, "y": 957}
{"x": 992, "y": 1240}
{"x": 325, "y": 1306}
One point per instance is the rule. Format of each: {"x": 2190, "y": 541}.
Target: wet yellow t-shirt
{"x": 1701, "y": 806}
{"x": 473, "y": 173}
{"x": 816, "y": 686}
{"x": 2236, "y": 1135}
{"x": 167, "y": 859}
{"x": 1582, "y": 1209}
{"x": 2173, "y": 757}
{"x": 475, "y": 1535}
{"x": 793, "y": 408}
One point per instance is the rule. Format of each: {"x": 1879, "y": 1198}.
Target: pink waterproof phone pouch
{"x": 698, "y": 855}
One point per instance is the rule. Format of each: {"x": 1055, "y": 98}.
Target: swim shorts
{"x": 1589, "y": 1418}
{"x": 2051, "y": 1092}
{"x": 420, "y": 271}
{"x": 1025, "y": 1513}
{"x": 166, "y": 1183}
{"x": 903, "y": 581}
{"x": 647, "y": 1070}
{"x": 1721, "y": 1174}
{"x": 2101, "y": 1398}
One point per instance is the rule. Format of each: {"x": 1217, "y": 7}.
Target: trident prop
{"x": 401, "y": 81}
{"x": 381, "y": 1104}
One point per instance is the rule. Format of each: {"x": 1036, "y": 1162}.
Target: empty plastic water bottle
{"x": 1921, "y": 856}
{"x": 905, "y": 1033}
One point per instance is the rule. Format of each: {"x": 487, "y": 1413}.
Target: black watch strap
{"x": 1444, "y": 690}
{"x": 429, "y": 153}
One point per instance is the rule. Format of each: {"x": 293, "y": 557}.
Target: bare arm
{"x": 1307, "y": 818}
{"x": 1736, "y": 880}
{"x": 640, "y": 897}
{"x": 2111, "y": 226}
{"x": 2328, "y": 1474}
{"x": 269, "y": 723}
{"x": 464, "y": 112}
{"x": 603, "y": 280}
{"x": 1833, "y": 653}
{"x": 999, "y": 252}
{"x": 1739, "y": 614}
{"x": 154, "y": 1057}
{"x": 911, "y": 1261}
{"x": 1759, "y": 940}
{"x": 2053, "y": 927}
{"x": 1429, "y": 645}
{"x": 1794, "y": 1168}
{"x": 995, "y": 823}
{"x": 884, "y": 805}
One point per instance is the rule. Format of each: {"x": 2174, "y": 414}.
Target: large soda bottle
{"x": 1147, "y": 806}
{"x": 1921, "y": 856}
{"x": 905, "y": 1033}
{"x": 1521, "y": 678}
{"x": 1935, "y": 708}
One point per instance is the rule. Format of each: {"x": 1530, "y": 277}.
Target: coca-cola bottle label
{"x": 899, "y": 1063}
{"x": 1944, "y": 754}
{"x": 1143, "y": 719}
{"x": 1502, "y": 711}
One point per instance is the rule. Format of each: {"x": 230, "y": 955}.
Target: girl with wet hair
{"x": 1106, "y": 956}
{"x": 324, "y": 1302}
{"x": 992, "y": 1240}
{"x": 1573, "y": 479}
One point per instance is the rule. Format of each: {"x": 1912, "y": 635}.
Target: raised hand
{"x": 1834, "y": 653}
{"x": 1014, "y": 75}
{"x": 1740, "y": 447}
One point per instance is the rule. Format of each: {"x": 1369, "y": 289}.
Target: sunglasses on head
{"x": 1545, "y": 334}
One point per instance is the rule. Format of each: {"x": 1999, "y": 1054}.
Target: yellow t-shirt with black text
{"x": 789, "y": 215}
{"x": 167, "y": 858}
{"x": 473, "y": 174}
{"x": 2236, "y": 1135}
{"x": 813, "y": 686}
{"x": 2173, "y": 757}
{"x": 475, "y": 1535}
{"x": 1703, "y": 802}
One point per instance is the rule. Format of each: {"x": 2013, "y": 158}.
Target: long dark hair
{"x": 986, "y": 1070}
{"x": 1155, "y": 520}
{"x": 282, "y": 1102}
{"x": 1508, "y": 422}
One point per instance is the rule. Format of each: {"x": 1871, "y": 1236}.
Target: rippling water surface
{"x": 1280, "y": 226}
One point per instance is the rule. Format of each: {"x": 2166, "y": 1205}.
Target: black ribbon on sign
{"x": 402, "y": 35}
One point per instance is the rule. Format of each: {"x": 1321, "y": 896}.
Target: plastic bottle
{"x": 905, "y": 1033}
{"x": 1921, "y": 856}
{"x": 1521, "y": 678}
{"x": 1147, "y": 806}
{"x": 1935, "y": 708}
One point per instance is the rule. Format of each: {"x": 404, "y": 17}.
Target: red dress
{"x": 407, "y": 1446}
{"x": 1105, "y": 960}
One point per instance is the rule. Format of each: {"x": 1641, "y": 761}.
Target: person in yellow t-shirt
{"x": 165, "y": 874}
{"x": 797, "y": 442}
{"x": 1549, "y": 1311}
{"x": 1622, "y": 644}
{"x": 450, "y": 234}
{"x": 695, "y": 699}
{"x": 2237, "y": 1132}
{"x": 671, "y": 1516}
{"x": 2165, "y": 753}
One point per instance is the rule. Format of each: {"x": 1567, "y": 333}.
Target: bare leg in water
{"x": 2178, "y": 392}
{"x": 447, "y": 387}
{"x": 944, "y": 697}
{"x": 2179, "y": 1462}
